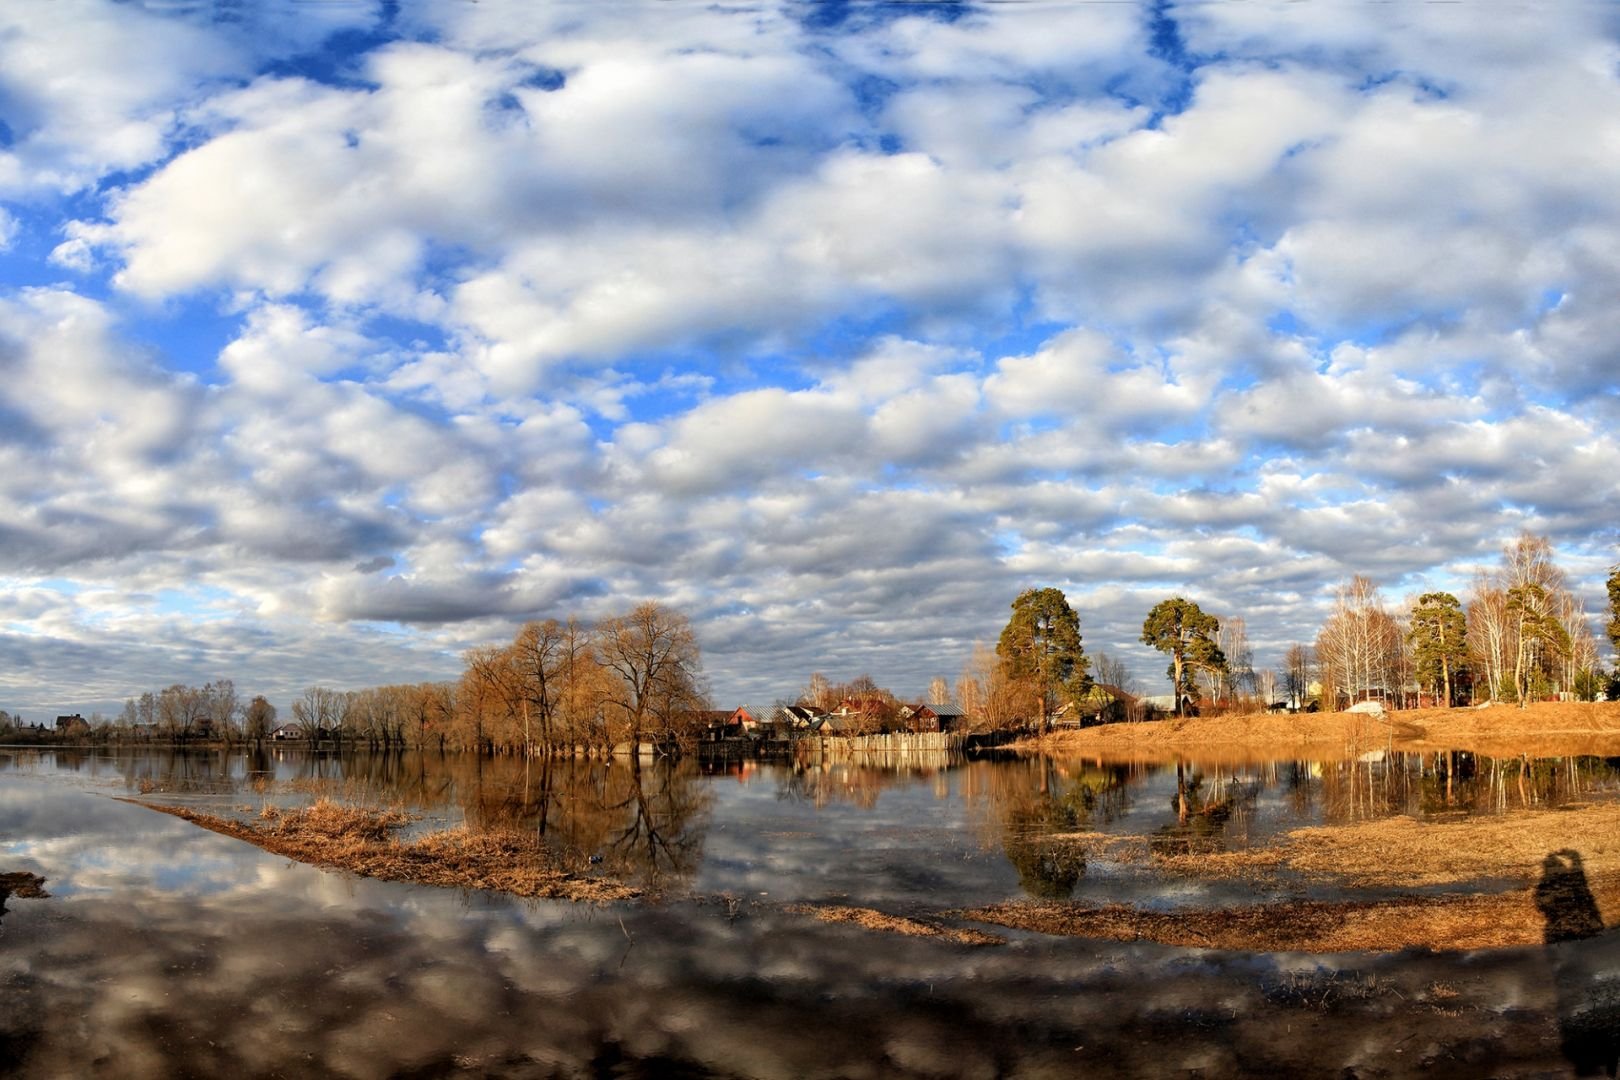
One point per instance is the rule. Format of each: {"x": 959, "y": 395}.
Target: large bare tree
{"x": 653, "y": 657}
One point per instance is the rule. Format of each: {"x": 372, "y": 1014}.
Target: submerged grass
{"x": 1408, "y": 922}
{"x": 894, "y": 924}
{"x": 361, "y": 841}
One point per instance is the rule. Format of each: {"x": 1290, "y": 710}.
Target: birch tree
{"x": 1359, "y": 649}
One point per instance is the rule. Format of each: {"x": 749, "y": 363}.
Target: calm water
{"x": 164, "y": 949}
{"x": 930, "y": 833}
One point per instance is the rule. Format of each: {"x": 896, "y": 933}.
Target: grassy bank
{"x": 1518, "y": 879}
{"x": 1544, "y": 729}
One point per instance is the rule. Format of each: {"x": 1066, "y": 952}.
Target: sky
{"x": 337, "y": 338}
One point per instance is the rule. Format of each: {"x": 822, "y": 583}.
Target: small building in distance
{"x": 791, "y": 722}
{"x": 946, "y": 718}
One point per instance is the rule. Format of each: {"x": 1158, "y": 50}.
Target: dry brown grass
{"x": 894, "y": 924}
{"x": 360, "y": 840}
{"x": 1403, "y": 853}
{"x": 1502, "y": 857}
{"x": 1548, "y": 728}
{"x": 1408, "y": 922}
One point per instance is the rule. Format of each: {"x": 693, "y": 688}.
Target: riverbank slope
{"x": 1544, "y": 729}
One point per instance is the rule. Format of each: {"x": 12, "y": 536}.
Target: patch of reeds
{"x": 23, "y": 885}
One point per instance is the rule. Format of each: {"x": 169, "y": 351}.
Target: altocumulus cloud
{"x": 337, "y": 338}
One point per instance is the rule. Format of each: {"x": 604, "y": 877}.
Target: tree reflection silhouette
{"x": 1033, "y": 815}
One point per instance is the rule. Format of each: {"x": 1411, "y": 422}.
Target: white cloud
{"x": 836, "y": 337}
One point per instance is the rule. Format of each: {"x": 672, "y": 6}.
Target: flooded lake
{"x": 163, "y": 949}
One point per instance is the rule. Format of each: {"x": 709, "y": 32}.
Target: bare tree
{"x": 1238, "y": 679}
{"x": 991, "y": 697}
{"x": 654, "y": 658}
{"x": 1299, "y": 664}
{"x": 260, "y": 718}
{"x": 537, "y": 657}
{"x": 315, "y": 712}
{"x": 1111, "y": 671}
{"x": 1360, "y": 647}
{"x": 223, "y": 705}
{"x": 939, "y": 691}
{"x": 820, "y": 693}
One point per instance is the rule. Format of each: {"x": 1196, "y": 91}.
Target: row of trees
{"x": 1040, "y": 668}
{"x": 181, "y": 712}
{"x": 1522, "y": 633}
{"x": 560, "y": 686}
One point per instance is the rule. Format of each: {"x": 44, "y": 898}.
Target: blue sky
{"x": 338, "y": 338}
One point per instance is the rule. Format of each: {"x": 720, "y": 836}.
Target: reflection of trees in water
{"x": 1389, "y": 783}
{"x": 180, "y": 770}
{"x": 1205, "y": 809}
{"x": 661, "y": 835}
{"x": 645, "y": 821}
{"x": 1451, "y": 782}
{"x": 1029, "y": 805}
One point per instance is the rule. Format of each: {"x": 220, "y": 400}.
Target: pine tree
{"x": 1040, "y": 648}
{"x": 1181, "y": 628}
{"x": 1439, "y": 639}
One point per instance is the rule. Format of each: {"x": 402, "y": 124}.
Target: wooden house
{"x": 921, "y": 718}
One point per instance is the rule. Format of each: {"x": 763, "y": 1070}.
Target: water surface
{"x": 165, "y": 950}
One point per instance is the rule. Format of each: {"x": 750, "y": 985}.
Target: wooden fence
{"x": 934, "y": 748}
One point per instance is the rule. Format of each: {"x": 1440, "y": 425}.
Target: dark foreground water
{"x": 165, "y": 950}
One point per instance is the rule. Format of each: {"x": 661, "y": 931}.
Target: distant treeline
{"x": 1520, "y": 634}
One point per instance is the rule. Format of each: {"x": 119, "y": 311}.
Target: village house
{"x": 792, "y": 721}
{"x": 713, "y": 724}
{"x": 1103, "y": 703}
{"x": 946, "y": 718}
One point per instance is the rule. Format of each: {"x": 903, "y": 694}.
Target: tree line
{"x": 558, "y": 687}
{"x": 1520, "y": 634}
